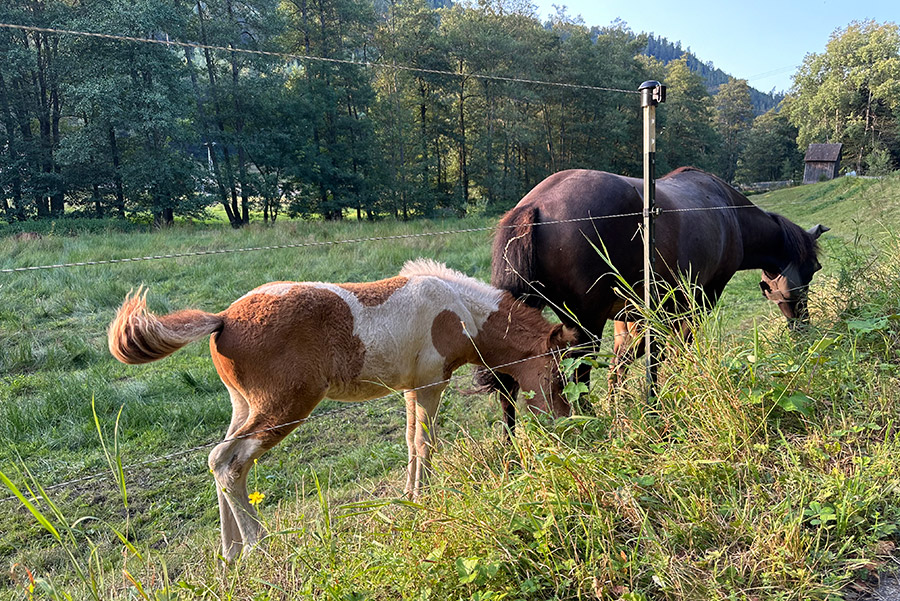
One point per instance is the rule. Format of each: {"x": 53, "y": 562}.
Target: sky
{"x": 763, "y": 42}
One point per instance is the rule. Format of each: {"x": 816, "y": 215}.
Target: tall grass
{"x": 766, "y": 468}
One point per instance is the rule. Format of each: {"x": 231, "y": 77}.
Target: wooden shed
{"x": 822, "y": 162}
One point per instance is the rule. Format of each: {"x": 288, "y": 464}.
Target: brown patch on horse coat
{"x": 515, "y": 320}
{"x": 372, "y": 294}
{"x": 277, "y": 353}
{"x": 450, "y": 340}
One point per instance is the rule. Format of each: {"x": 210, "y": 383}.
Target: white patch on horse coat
{"x": 272, "y": 289}
{"x": 397, "y": 333}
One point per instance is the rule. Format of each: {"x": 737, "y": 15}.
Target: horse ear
{"x": 561, "y": 336}
{"x": 817, "y": 230}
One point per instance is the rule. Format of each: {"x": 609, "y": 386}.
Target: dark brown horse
{"x": 706, "y": 231}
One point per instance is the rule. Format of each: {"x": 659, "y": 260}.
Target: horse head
{"x": 789, "y": 287}
{"x": 542, "y": 375}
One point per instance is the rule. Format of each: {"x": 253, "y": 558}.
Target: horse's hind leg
{"x": 232, "y": 460}
{"x": 231, "y": 534}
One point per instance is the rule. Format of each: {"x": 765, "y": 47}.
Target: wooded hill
{"x": 662, "y": 49}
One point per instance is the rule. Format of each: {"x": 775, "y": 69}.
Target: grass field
{"x": 768, "y": 469}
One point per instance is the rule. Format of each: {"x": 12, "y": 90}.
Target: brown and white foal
{"x": 283, "y": 347}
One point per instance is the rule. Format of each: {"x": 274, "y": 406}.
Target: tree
{"x": 686, "y": 134}
{"x": 32, "y": 102}
{"x": 412, "y": 109}
{"x": 340, "y": 95}
{"x": 127, "y": 108}
{"x": 733, "y": 116}
{"x": 225, "y": 101}
{"x": 770, "y": 151}
{"x": 850, "y": 94}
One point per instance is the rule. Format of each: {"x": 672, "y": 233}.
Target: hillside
{"x": 666, "y": 51}
{"x": 767, "y": 467}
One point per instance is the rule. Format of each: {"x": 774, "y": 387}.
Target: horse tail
{"x": 513, "y": 263}
{"x": 513, "y": 268}
{"x": 138, "y": 336}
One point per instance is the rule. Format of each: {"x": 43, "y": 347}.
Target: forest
{"x": 397, "y": 108}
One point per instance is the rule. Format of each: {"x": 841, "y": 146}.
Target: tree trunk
{"x": 98, "y": 201}
{"x": 463, "y": 166}
{"x": 39, "y": 83}
{"x": 423, "y": 112}
{"x": 233, "y": 219}
{"x": 164, "y": 218}
{"x": 15, "y": 212}
{"x": 117, "y": 174}
{"x": 57, "y": 199}
{"x": 549, "y": 128}
{"x": 233, "y": 212}
{"x": 239, "y": 128}
{"x": 24, "y": 123}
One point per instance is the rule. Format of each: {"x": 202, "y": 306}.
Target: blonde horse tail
{"x": 138, "y": 336}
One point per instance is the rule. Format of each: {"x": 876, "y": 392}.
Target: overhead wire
{"x": 309, "y": 57}
{"x": 295, "y": 245}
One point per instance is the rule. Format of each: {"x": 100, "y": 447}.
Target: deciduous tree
{"x": 850, "y": 94}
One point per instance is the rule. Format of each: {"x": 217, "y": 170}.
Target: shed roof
{"x": 823, "y": 152}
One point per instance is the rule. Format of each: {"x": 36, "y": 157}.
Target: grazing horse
{"x": 283, "y": 347}
{"x": 706, "y": 231}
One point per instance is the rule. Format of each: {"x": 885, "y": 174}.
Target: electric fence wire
{"x": 307, "y": 57}
{"x": 352, "y": 240}
{"x": 296, "y": 245}
{"x": 349, "y": 406}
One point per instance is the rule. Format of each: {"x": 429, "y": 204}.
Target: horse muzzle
{"x": 796, "y": 311}
{"x": 792, "y": 302}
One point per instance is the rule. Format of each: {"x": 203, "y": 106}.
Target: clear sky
{"x": 763, "y": 41}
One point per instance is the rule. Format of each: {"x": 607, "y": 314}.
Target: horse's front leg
{"x": 411, "y": 466}
{"x": 626, "y": 349}
{"x": 426, "y": 406}
{"x": 507, "y": 392}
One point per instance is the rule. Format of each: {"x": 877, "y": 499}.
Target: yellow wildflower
{"x": 256, "y": 497}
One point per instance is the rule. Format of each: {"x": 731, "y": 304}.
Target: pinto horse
{"x": 706, "y": 231}
{"x": 283, "y": 347}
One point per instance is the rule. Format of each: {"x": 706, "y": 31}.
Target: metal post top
{"x": 652, "y": 93}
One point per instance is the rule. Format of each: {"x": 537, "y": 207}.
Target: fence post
{"x": 652, "y": 93}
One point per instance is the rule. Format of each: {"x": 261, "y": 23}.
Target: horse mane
{"x": 430, "y": 267}
{"x": 797, "y": 241}
{"x": 685, "y": 169}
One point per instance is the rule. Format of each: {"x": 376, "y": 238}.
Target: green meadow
{"x": 768, "y": 468}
